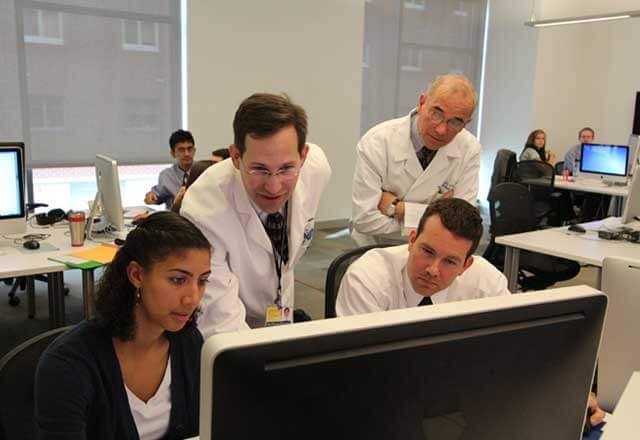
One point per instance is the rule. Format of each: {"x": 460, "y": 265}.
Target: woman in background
{"x": 535, "y": 148}
{"x": 133, "y": 372}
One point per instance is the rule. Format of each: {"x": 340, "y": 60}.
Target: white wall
{"x": 508, "y": 86}
{"x": 310, "y": 49}
{"x": 586, "y": 74}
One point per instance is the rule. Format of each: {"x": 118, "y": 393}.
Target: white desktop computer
{"x": 632, "y": 205}
{"x": 108, "y": 198}
{"x": 606, "y": 162}
{"x": 13, "y": 213}
{"x": 517, "y": 367}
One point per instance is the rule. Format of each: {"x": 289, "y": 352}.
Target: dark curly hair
{"x": 157, "y": 237}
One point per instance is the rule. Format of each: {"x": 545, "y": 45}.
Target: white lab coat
{"x": 377, "y": 282}
{"x": 243, "y": 280}
{"x": 386, "y": 161}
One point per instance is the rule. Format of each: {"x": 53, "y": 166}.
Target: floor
{"x": 311, "y": 271}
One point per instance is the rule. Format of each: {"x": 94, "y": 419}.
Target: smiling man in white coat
{"x": 437, "y": 266}
{"x": 258, "y": 212}
{"x": 419, "y": 158}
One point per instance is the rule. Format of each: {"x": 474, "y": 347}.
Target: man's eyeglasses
{"x": 436, "y": 116}
{"x": 285, "y": 173}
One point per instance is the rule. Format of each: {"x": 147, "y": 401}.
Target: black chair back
{"x": 335, "y": 273}
{"x": 511, "y": 209}
{"x": 17, "y": 377}
{"x": 559, "y": 168}
{"x": 503, "y": 167}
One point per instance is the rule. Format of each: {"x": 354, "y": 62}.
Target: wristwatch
{"x": 391, "y": 210}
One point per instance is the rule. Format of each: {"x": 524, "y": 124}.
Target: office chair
{"x": 17, "y": 378}
{"x": 558, "y": 168}
{"x": 335, "y": 273}
{"x": 20, "y": 283}
{"x": 503, "y": 167}
{"x": 551, "y": 207}
{"x": 511, "y": 207}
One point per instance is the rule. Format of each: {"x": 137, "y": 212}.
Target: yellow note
{"x": 101, "y": 254}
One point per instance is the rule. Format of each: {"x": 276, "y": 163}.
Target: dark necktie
{"x": 184, "y": 179}
{"x": 426, "y": 301}
{"x": 277, "y": 232}
{"x": 424, "y": 156}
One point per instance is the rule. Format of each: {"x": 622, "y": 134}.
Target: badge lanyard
{"x": 279, "y": 259}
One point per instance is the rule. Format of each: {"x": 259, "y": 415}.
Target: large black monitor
{"x": 13, "y": 212}
{"x": 516, "y": 367}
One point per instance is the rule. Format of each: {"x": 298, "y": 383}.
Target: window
{"x": 411, "y": 59}
{"x": 141, "y": 114}
{"x": 419, "y": 5}
{"x": 43, "y": 27}
{"x": 404, "y": 50}
{"x": 46, "y": 112}
{"x": 141, "y": 36}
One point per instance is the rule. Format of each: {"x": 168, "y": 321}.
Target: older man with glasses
{"x": 409, "y": 162}
{"x": 257, "y": 210}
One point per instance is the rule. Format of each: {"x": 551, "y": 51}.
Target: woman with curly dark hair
{"x": 133, "y": 372}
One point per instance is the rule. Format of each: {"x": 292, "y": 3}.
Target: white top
{"x": 386, "y": 161}
{"x": 377, "y": 281}
{"x": 152, "y": 418}
{"x": 243, "y": 281}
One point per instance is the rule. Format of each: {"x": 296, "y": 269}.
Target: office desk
{"x": 559, "y": 242}
{"x": 619, "y": 192}
{"x": 15, "y": 263}
{"x": 624, "y": 423}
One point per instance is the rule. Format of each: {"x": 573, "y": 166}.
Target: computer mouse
{"x": 577, "y": 228}
{"x": 31, "y": 244}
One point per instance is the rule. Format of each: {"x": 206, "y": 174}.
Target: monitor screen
{"x": 109, "y": 189}
{"x": 607, "y": 160}
{"x": 497, "y": 368}
{"x": 13, "y": 213}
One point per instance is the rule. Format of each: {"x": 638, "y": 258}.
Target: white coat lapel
{"x": 298, "y": 219}
{"x": 248, "y": 216}
{"x": 406, "y": 152}
{"x": 438, "y": 170}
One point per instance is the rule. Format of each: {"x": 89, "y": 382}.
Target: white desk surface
{"x": 14, "y": 262}
{"x": 624, "y": 423}
{"x": 585, "y": 248}
{"x": 591, "y": 185}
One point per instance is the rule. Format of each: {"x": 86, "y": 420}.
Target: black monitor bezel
{"x": 626, "y": 168}
{"x": 19, "y": 147}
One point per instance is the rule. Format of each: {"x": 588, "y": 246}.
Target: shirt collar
{"x": 411, "y": 297}
{"x": 263, "y": 214}
{"x": 416, "y": 139}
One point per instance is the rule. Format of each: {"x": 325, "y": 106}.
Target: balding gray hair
{"x": 454, "y": 83}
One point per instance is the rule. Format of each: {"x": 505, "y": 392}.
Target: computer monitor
{"x": 13, "y": 213}
{"x": 109, "y": 190}
{"x": 604, "y": 161}
{"x": 619, "y": 353}
{"x": 495, "y": 368}
{"x": 632, "y": 205}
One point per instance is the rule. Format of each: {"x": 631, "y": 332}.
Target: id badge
{"x": 278, "y": 316}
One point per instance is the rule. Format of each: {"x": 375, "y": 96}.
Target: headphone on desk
{"x": 51, "y": 217}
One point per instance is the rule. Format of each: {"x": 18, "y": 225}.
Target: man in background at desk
{"x": 587, "y": 206}
{"x": 418, "y": 158}
{"x": 585, "y": 136}
{"x": 258, "y": 212}
{"x": 171, "y": 179}
{"x": 437, "y": 266}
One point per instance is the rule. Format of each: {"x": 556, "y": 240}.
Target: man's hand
{"x": 597, "y": 414}
{"x": 151, "y": 198}
{"x": 385, "y": 201}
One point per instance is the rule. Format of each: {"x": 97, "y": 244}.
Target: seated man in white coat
{"x": 437, "y": 266}
{"x": 416, "y": 159}
{"x": 258, "y": 211}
